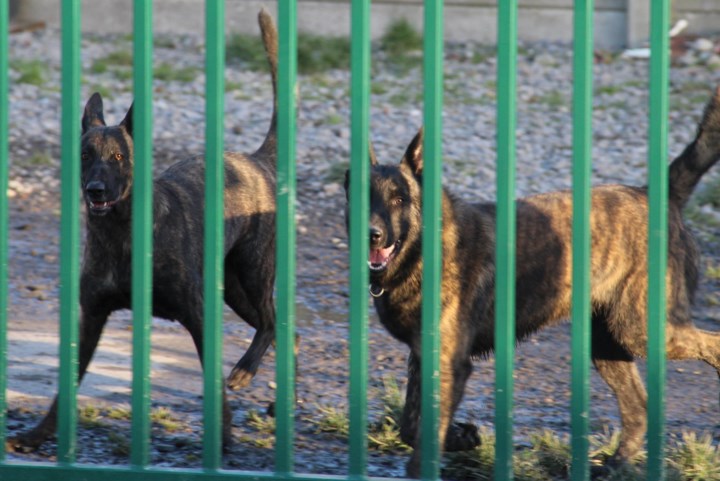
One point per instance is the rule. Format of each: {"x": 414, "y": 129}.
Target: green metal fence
{"x": 67, "y": 468}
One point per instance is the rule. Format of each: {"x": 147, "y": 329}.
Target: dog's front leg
{"x": 455, "y": 369}
{"x": 409, "y": 423}
{"x": 91, "y": 327}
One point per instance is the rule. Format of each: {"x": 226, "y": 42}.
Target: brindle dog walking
{"x": 178, "y": 210}
{"x": 543, "y": 285}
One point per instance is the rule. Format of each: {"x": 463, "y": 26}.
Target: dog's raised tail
{"x": 269, "y": 36}
{"x": 687, "y": 168}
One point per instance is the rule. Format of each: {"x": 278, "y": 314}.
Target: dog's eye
{"x": 118, "y": 156}
{"x": 84, "y": 156}
{"x": 398, "y": 201}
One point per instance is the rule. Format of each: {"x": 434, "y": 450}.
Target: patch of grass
{"x": 119, "y": 413}
{"x": 231, "y": 86}
{"x": 120, "y": 444}
{"x": 690, "y": 458}
{"x": 102, "y": 90}
{"x": 480, "y": 56}
{"x": 695, "y": 215}
{"x": 247, "y": 49}
{"x": 118, "y": 58}
{"x": 553, "y": 99}
{"x": 402, "y": 98}
{"x": 332, "y": 420}
{"x": 261, "y": 424}
{"x": 608, "y": 89}
{"x": 33, "y": 72}
{"x": 336, "y": 172}
{"x": 696, "y": 458}
{"x": 265, "y": 430}
{"x": 39, "y": 159}
{"x": 334, "y": 119}
{"x": 378, "y": 89}
{"x": 164, "y": 418}
{"x": 319, "y": 54}
{"x": 400, "y": 37}
{"x": 315, "y": 53}
{"x": 169, "y": 73}
{"x": 123, "y": 74}
{"x": 712, "y": 272}
{"x": 164, "y": 42}
{"x": 90, "y": 415}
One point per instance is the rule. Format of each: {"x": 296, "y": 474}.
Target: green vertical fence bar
{"x": 359, "y": 201}
{"x": 285, "y": 278}
{"x": 69, "y": 231}
{"x": 142, "y": 238}
{"x": 582, "y": 159}
{"x": 4, "y": 234}
{"x": 657, "y": 234}
{"x": 505, "y": 238}
{"x": 214, "y": 232}
{"x": 432, "y": 239}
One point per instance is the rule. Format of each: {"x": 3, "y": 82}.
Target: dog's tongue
{"x": 379, "y": 256}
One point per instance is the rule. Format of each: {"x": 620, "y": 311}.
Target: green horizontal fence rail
{"x": 139, "y": 467}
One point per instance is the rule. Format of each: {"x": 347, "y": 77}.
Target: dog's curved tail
{"x": 688, "y": 167}
{"x": 270, "y": 41}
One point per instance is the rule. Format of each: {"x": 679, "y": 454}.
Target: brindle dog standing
{"x": 619, "y": 281}
{"x": 107, "y": 161}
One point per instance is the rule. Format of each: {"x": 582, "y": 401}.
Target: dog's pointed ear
{"x": 127, "y": 122}
{"x": 413, "y": 157}
{"x": 371, "y": 153}
{"x": 93, "y": 114}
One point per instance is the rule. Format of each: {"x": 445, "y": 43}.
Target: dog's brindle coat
{"x": 543, "y": 283}
{"x": 107, "y": 161}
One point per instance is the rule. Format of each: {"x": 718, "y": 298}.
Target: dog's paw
{"x": 462, "y": 437}
{"x": 24, "y": 442}
{"x": 239, "y": 378}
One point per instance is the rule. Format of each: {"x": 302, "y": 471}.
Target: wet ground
{"x": 541, "y": 377}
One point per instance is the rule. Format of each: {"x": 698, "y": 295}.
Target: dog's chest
{"x": 401, "y": 317}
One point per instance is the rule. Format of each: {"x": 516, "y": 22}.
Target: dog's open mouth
{"x": 100, "y": 206}
{"x": 379, "y": 258}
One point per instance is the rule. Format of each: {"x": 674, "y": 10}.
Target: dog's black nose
{"x": 95, "y": 189}
{"x": 375, "y": 235}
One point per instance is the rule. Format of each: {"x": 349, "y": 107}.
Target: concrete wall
{"x": 618, "y": 23}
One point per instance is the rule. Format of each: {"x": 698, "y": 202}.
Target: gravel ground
{"x": 543, "y": 164}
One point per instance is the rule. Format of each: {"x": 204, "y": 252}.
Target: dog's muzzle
{"x": 379, "y": 258}
{"x": 95, "y": 196}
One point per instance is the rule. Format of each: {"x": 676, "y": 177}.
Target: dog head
{"x": 395, "y": 222}
{"x": 107, "y": 158}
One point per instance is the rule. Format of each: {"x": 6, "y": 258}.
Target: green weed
{"x": 164, "y": 418}
{"x": 33, "y": 72}
{"x": 315, "y": 53}
{"x": 169, "y": 73}
{"x": 400, "y": 38}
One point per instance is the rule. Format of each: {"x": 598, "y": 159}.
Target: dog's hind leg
{"x": 91, "y": 327}
{"x": 616, "y": 365}
{"x": 248, "y": 292}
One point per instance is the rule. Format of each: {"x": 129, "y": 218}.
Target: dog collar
{"x": 376, "y": 291}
